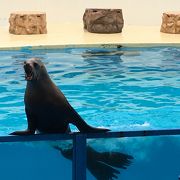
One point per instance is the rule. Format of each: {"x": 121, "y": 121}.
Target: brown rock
{"x": 27, "y": 23}
{"x": 171, "y": 23}
{"x": 103, "y": 20}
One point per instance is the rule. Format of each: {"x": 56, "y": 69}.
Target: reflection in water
{"x": 102, "y": 57}
{"x": 102, "y": 165}
{"x": 106, "y": 52}
{"x": 103, "y": 63}
{"x": 89, "y": 53}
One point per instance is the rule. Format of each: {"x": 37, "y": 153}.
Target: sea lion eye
{"x": 35, "y": 64}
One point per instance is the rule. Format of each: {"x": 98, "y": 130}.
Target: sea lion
{"x": 46, "y": 107}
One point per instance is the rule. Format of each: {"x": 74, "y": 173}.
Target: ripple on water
{"x": 107, "y": 87}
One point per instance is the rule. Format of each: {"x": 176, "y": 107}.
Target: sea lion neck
{"x": 41, "y": 82}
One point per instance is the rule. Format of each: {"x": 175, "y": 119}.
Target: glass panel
{"x": 139, "y": 158}
{"x": 35, "y": 160}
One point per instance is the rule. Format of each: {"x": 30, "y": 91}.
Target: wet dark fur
{"x": 47, "y": 109}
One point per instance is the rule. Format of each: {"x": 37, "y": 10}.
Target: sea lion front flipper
{"x": 31, "y": 125}
{"x": 21, "y": 133}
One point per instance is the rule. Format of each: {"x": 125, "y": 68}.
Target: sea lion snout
{"x": 34, "y": 69}
{"x": 30, "y": 67}
{"x": 27, "y": 68}
{"x": 28, "y": 71}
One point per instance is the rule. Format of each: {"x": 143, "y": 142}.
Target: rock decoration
{"x": 171, "y": 23}
{"x": 22, "y": 23}
{"x": 103, "y": 20}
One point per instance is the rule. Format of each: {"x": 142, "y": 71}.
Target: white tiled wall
{"x": 136, "y": 12}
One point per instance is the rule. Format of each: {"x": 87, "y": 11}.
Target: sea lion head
{"x": 34, "y": 69}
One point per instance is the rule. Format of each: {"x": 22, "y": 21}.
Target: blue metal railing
{"x": 79, "y": 143}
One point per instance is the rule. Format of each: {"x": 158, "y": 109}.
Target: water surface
{"x": 121, "y": 89}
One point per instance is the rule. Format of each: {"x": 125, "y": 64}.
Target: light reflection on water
{"x": 122, "y": 89}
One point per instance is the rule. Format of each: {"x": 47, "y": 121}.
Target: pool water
{"x": 118, "y": 88}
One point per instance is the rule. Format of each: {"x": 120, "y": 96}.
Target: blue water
{"x": 122, "y": 89}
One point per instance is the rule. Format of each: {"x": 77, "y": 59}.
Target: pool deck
{"x": 73, "y": 34}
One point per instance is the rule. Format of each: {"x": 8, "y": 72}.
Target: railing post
{"x": 79, "y": 157}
